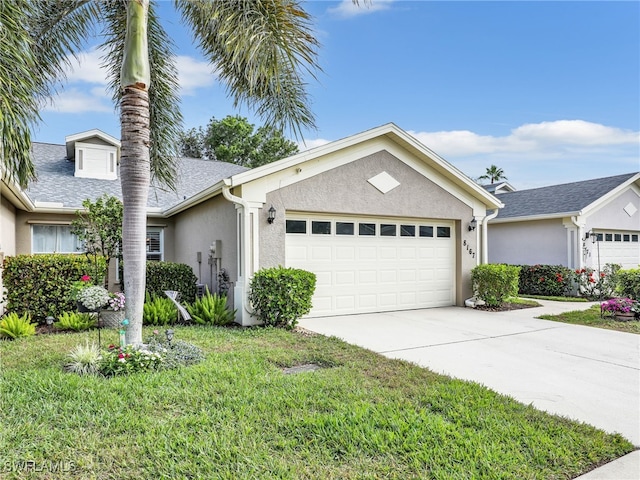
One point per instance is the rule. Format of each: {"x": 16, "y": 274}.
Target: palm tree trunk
{"x": 135, "y": 176}
{"x": 135, "y": 164}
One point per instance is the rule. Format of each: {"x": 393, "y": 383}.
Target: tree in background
{"x": 493, "y": 174}
{"x": 261, "y": 51}
{"x": 99, "y": 228}
{"x": 234, "y": 140}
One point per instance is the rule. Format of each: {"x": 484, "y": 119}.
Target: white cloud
{"x": 541, "y": 139}
{"x": 86, "y": 68}
{"x": 79, "y": 101}
{"x": 309, "y": 144}
{"x": 347, "y": 9}
{"x": 88, "y": 81}
{"x": 194, "y": 74}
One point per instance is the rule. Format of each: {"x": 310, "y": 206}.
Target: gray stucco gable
{"x": 558, "y": 199}
{"x": 56, "y": 182}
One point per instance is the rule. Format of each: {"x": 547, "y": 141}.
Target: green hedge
{"x": 179, "y": 277}
{"x": 280, "y": 296}
{"x": 40, "y": 284}
{"x": 546, "y": 280}
{"x": 493, "y": 283}
{"x": 629, "y": 283}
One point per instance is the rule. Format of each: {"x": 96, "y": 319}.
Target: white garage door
{"x": 373, "y": 265}
{"x": 622, "y": 248}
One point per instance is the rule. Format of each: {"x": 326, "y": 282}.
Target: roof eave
{"x": 204, "y": 195}
{"x": 531, "y": 218}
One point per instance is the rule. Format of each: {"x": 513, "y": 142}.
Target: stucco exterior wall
{"x": 528, "y": 243}
{"x": 7, "y": 227}
{"x": 197, "y": 228}
{"x": 611, "y": 216}
{"x": 345, "y": 190}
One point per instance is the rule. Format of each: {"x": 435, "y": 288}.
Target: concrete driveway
{"x": 585, "y": 373}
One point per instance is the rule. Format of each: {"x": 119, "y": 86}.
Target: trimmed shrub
{"x": 547, "y": 280}
{"x": 178, "y": 277}
{"x": 14, "y": 326}
{"x": 629, "y": 283}
{"x": 493, "y": 283}
{"x": 158, "y": 310}
{"x": 211, "y": 310}
{"x": 280, "y": 296}
{"x": 41, "y": 284}
{"x": 594, "y": 286}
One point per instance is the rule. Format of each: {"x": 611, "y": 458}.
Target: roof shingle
{"x": 557, "y": 199}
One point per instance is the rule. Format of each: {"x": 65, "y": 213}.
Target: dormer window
{"x": 95, "y": 154}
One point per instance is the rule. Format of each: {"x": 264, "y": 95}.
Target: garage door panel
{"x": 345, "y": 253}
{"x": 358, "y": 274}
{"x": 321, "y": 253}
{"x": 347, "y": 278}
{"x": 367, "y": 253}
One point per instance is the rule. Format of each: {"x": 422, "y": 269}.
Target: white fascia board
{"x": 308, "y": 155}
{"x": 206, "y": 194}
{"x": 530, "y": 218}
{"x": 608, "y": 197}
{"x": 306, "y": 164}
{"x": 92, "y": 133}
{"x": 16, "y": 195}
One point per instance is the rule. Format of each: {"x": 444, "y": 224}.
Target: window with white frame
{"x": 54, "y": 239}
{"x": 155, "y": 244}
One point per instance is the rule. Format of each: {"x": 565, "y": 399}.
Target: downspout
{"x": 485, "y": 236}
{"x": 244, "y": 243}
{"x": 574, "y": 220}
{"x": 484, "y": 254}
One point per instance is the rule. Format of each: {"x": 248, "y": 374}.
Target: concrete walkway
{"x": 585, "y": 373}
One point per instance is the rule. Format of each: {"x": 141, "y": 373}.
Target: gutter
{"x": 574, "y": 220}
{"x": 485, "y": 236}
{"x": 244, "y": 244}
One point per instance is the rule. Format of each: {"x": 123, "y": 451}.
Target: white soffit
{"x": 630, "y": 209}
{"x": 384, "y": 182}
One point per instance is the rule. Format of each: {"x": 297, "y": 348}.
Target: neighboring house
{"x": 581, "y": 224}
{"x": 384, "y": 223}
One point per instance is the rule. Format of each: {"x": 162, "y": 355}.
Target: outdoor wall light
{"x": 473, "y": 224}
{"x": 272, "y": 214}
{"x": 49, "y": 321}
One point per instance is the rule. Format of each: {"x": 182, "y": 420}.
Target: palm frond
{"x": 262, "y": 49}
{"x": 165, "y": 116}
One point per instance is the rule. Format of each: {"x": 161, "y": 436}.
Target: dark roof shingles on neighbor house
{"x": 56, "y": 181}
{"x": 557, "y": 199}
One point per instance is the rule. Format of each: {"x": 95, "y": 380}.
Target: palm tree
{"x": 261, "y": 50}
{"x": 493, "y": 174}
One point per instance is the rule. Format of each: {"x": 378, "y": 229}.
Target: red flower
{"x": 541, "y": 279}
{"x": 85, "y": 278}
{"x": 602, "y": 275}
{"x": 120, "y": 355}
{"x": 112, "y": 346}
{"x": 592, "y": 280}
{"x": 578, "y": 272}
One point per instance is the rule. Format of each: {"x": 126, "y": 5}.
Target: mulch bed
{"x": 505, "y": 307}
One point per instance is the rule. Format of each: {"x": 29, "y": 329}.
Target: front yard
{"x": 592, "y": 318}
{"x": 237, "y": 415}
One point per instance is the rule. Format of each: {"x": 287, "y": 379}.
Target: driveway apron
{"x": 584, "y": 373}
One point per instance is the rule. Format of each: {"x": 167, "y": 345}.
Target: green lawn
{"x": 238, "y": 416}
{"x": 592, "y": 318}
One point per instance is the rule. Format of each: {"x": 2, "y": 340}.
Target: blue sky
{"x": 548, "y": 91}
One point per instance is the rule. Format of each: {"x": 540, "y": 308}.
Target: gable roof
{"x": 560, "y": 200}
{"x": 58, "y": 189}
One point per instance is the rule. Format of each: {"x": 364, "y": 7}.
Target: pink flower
{"x": 85, "y": 278}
